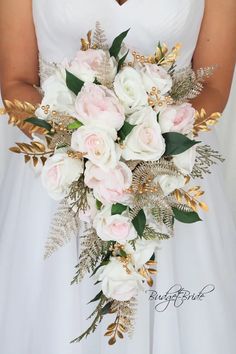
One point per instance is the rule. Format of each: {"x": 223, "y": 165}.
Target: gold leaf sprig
{"x": 191, "y": 197}
{"x": 35, "y": 152}
{"x": 147, "y": 271}
{"x": 124, "y": 321}
{"x": 203, "y": 122}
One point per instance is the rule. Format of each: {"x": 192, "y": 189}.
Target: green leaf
{"x": 116, "y": 45}
{"x": 73, "y": 83}
{"x": 121, "y": 61}
{"x": 118, "y": 208}
{"x": 75, "y": 125}
{"x": 123, "y": 253}
{"x": 177, "y": 143}
{"x": 96, "y": 81}
{"x": 158, "y": 115}
{"x": 97, "y": 297}
{"x": 106, "y": 308}
{"x": 39, "y": 123}
{"x": 186, "y": 217}
{"x": 99, "y": 266}
{"x": 125, "y": 130}
{"x": 139, "y": 222}
{"x": 98, "y": 204}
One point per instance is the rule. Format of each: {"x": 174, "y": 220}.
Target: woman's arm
{"x": 216, "y": 45}
{"x": 18, "y": 52}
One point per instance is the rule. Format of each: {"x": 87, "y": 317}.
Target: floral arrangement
{"x": 116, "y": 136}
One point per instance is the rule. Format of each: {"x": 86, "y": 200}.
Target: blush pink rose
{"x": 117, "y": 227}
{"x": 177, "y": 119}
{"x": 155, "y": 76}
{"x": 109, "y": 186}
{"x": 98, "y": 105}
{"x": 86, "y": 64}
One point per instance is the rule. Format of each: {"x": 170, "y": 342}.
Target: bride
{"x": 39, "y": 311}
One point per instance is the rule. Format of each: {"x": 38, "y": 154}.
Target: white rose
{"x": 186, "y": 160}
{"x": 86, "y": 64}
{"x": 129, "y": 89}
{"x": 145, "y": 142}
{"x": 58, "y": 173}
{"x": 170, "y": 183}
{"x": 97, "y": 145}
{"x": 117, "y": 283}
{"x": 117, "y": 227}
{"x": 143, "y": 251}
{"x": 56, "y": 95}
{"x": 155, "y": 76}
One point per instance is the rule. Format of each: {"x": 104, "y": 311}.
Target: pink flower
{"x": 114, "y": 227}
{"x": 99, "y": 106}
{"x": 109, "y": 186}
{"x": 177, "y": 119}
{"x": 86, "y": 64}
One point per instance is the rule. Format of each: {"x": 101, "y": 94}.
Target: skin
{"x": 19, "y": 52}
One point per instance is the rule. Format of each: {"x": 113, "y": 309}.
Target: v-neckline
{"x": 123, "y": 4}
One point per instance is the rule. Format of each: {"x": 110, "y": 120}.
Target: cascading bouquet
{"x": 118, "y": 150}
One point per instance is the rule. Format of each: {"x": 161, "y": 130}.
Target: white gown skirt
{"x": 40, "y": 312}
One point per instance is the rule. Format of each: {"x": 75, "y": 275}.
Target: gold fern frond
{"x": 64, "y": 226}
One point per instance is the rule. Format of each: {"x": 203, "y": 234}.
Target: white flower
{"x": 86, "y": 64}
{"x": 56, "y": 95}
{"x": 97, "y": 145}
{"x": 117, "y": 283}
{"x": 155, "y": 76}
{"x": 170, "y": 183}
{"x": 129, "y": 89}
{"x": 117, "y": 227}
{"x": 186, "y": 160}
{"x": 145, "y": 142}
{"x": 178, "y": 119}
{"x": 58, "y": 173}
{"x": 143, "y": 251}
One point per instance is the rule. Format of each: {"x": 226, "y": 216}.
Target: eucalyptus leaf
{"x": 121, "y": 61}
{"x": 39, "y": 123}
{"x": 118, "y": 208}
{"x": 177, "y": 143}
{"x": 75, "y": 125}
{"x": 125, "y": 130}
{"x": 186, "y": 217}
{"x": 117, "y": 43}
{"x": 139, "y": 222}
{"x": 73, "y": 83}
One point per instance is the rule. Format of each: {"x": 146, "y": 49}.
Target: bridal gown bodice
{"x": 39, "y": 311}
{"x": 61, "y": 24}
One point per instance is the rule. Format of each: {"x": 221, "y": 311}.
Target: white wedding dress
{"x": 39, "y": 311}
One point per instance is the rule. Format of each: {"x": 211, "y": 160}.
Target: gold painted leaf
{"x": 199, "y": 194}
{"x": 203, "y": 206}
{"x": 120, "y": 334}
{"x": 39, "y": 147}
{"x": 109, "y": 333}
{"x": 152, "y": 271}
{"x": 178, "y": 195}
{"x": 150, "y": 282}
{"x": 112, "y": 341}
{"x": 43, "y": 159}
{"x": 35, "y": 161}
{"x": 15, "y": 149}
{"x": 122, "y": 328}
{"x": 111, "y": 326}
{"x": 27, "y": 158}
